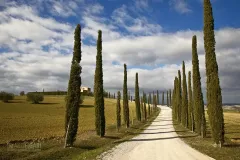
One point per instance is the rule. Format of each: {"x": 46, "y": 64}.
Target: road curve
{"x": 157, "y": 142}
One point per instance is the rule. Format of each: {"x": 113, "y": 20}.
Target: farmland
{"x": 21, "y": 120}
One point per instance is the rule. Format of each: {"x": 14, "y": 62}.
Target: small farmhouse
{"x": 85, "y": 89}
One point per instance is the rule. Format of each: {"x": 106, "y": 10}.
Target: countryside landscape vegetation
{"x": 82, "y": 125}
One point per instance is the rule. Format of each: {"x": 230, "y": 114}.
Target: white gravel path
{"x": 157, "y": 142}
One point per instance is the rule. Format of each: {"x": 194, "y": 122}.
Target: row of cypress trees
{"x": 188, "y": 104}
{"x": 73, "y": 94}
{"x": 143, "y": 107}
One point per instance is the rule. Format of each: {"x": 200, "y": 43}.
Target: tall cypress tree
{"x": 73, "y": 95}
{"x": 98, "y": 90}
{"x": 150, "y": 98}
{"x": 190, "y": 104}
{"x": 179, "y": 101}
{"x": 167, "y": 100}
{"x": 125, "y": 98}
{"x": 141, "y": 107}
{"x": 163, "y": 98}
{"x": 174, "y": 100}
{"x": 170, "y": 97}
{"x": 149, "y": 110}
{"x": 137, "y": 101}
{"x": 118, "y": 110}
{"x": 155, "y": 103}
{"x": 144, "y": 106}
{"x": 184, "y": 98}
{"x": 214, "y": 95}
{"x": 157, "y": 97}
{"x": 199, "y": 115}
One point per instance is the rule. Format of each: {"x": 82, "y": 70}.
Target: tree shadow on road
{"x": 158, "y": 132}
{"x": 164, "y": 125}
{"x": 151, "y": 128}
{"x": 154, "y": 139}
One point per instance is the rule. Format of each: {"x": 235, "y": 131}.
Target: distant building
{"x": 85, "y": 89}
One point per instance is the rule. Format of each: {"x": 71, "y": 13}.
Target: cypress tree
{"x": 157, "y": 97}
{"x": 129, "y": 98}
{"x": 144, "y": 106}
{"x": 125, "y": 98}
{"x": 150, "y": 98}
{"x": 190, "y": 104}
{"x": 199, "y": 115}
{"x": 184, "y": 98}
{"x": 170, "y": 97}
{"x": 150, "y": 102}
{"x": 98, "y": 90}
{"x": 114, "y": 96}
{"x": 149, "y": 110}
{"x": 174, "y": 100}
{"x": 141, "y": 106}
{"x": 155, "y": 103}
{"x": 179, "y": 101}
{"x": 118, "y": 110}
{"x": 73, "y": 95}
{"x": 167, "y": 100}
{"x": 163, "y": 98}
{"x": 214, "y": 95}
{"x": 137, "y": 101}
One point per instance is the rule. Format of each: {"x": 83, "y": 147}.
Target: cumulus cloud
{"x": 36, "y": 51}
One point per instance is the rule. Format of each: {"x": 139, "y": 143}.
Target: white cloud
{"x": 180, "y": 6}
{"x": 29, "y": 67}
{"x": 136, "y": 26}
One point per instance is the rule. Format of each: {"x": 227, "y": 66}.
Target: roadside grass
{"x": 21, "y": 121}
{"x": 230, "y": 150}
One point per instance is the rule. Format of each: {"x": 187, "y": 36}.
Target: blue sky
{"x": 152, "y": 37}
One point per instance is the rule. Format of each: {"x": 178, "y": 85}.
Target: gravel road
{"x": 157, "y": 142}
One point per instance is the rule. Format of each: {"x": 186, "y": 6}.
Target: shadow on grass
{"x": 232, "y": 132}
{"x": 46, "y": 103}
{"x": 88, "y": 147}
{"x": 232, "y": 145}
{"x": 15, "y": 101}
{"x": 154, "y": 139}
{"x": 111, "y": 137}
{"x": 86, "y": 106}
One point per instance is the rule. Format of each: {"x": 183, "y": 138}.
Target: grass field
{"x": 30, "y": 121}
{"x": 230, "y": 150}
{"x": 21, "y": 121}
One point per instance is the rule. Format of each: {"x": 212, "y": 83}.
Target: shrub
{"x": 5, "y": 96}
{"x": 22, "y": 93}
{"x": 35, "y": 97}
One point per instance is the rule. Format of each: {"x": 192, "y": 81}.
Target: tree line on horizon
{"x": 188, "y": 105}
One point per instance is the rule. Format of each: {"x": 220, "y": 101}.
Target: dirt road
{"x": 157, "y": 142}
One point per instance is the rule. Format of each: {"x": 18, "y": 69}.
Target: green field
{"x": 230, "y": 150}
{"x": 21, "y": 120}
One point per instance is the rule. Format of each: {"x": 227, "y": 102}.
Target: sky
{"x": 152, "y": 37}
